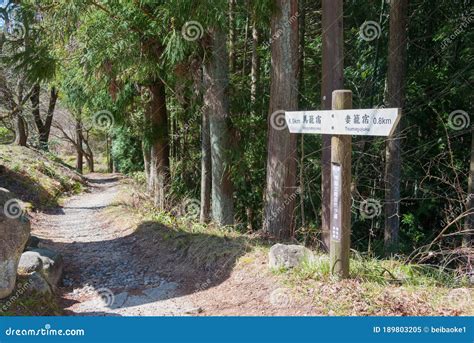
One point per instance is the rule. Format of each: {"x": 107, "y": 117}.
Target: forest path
{"x": 107, "y": 269}
{"x": 118, "y": 264}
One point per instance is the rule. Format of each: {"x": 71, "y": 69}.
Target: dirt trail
{"x": 106, "y": 271}
{"x": 110, "y": 268}
{"x": 116, "y": 267}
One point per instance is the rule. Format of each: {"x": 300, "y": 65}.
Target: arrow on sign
{"x": 366, "y": 122}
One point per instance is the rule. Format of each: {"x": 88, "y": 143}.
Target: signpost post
{"x": 342, "y": 122}
{"x": 341, "y": 149}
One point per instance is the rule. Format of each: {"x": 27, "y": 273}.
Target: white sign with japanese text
{"x": 366, "y": 122}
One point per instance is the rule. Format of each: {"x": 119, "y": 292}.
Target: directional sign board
{"x": 366, "y": 122}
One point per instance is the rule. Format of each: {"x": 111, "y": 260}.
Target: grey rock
{"x": 14, "y": 233}
{"x": 288, "y": 256}
{"x": 53, "y": 264}
{"x": 7, "y": 276}
{"x": 119, "y": 300}
{"x": 30, "y": 262}
{"x": 38, "y": 284}
{"x": 161, "y": 292}
{"x": 33, "y": 242}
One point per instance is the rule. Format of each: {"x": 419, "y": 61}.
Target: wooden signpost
{"x": 342, "y": 122}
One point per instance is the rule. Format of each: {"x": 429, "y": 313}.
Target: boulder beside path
{"x": 288, "y": 256}
{"x": 14, "y": 232}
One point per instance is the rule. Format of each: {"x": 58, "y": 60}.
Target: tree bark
{"x": 21, "y": 127}
{"x": 43, "y": 128}
{"x": 146, "y": 143}
{"x": 53, "y": 97}
{"x": 206, "y": 167}
{"x": 302, "y": 43}
{"x": 183, "y": 136}
{"x": 244, "y": 55}
{"x": 79, "y": 151}
{"x": 21, "y": 133}
{"x": 396, "y": 95}
{"x": 90, "y": 162}
{"x": 232, "y": 35}
{"x": 146, "y": 163}
{"x": 332, "y": 79}
{"x": 255, "y": 68}
{"x": 216, "y": 79}
{"x": 88, "y": 154}
{"x": 110, "y": 165}
{"x": 35, "y": 104}
{"x": 281, "y": 191}
{"x": 254, "y": 89}
{"x": 159, "y": 154}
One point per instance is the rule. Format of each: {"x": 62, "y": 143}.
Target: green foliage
{"x": 139, "y": 177}
{"x": 127, "y": 151}
{"x": 104, "y": 55}
{"x": 6, "y": 135}
{"x": 31, "y": 52}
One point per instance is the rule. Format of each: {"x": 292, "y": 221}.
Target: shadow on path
{"x": 147, "y": 269}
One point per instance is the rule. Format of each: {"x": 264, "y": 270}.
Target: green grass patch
{"x": 380, "y": 271}
{"x": 37, "y": 177}
{"x": 23, "y": 302}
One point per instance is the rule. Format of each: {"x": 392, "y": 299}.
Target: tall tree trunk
{"x": 396, "y": 95}
{"x": 21, "y": 133}
{"x": 35, "y": 104}
{"x": 110, "y": 165}
{"x": 21, "y": 128}
{"x": 206, "y": 167}
{"x": 244, "y": 55}
{"x": 255, "y": 68}
{"x": 302, "y": 43}
{"x": 232, "y": 35}
{"x": 89, "y": 155}
{"x": 216, "y": 99}
{"x": 159, "y": 155}
{"x": 254, "y": 89}
{"x": 185, "y": 104}
{"x": 281, "y": 192}
{"x": 79, "y": 151}
{"x": 332, "y": 79}
{"x": 469, "y": 221}
{"x": 146, "y": 143}
{"x": 146, "y": 163}
{"x": 107, "y": 152}
{"x": 90, "y": 162}
{"x": 44, "y": 137}
{"x": 43, "y": 128}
